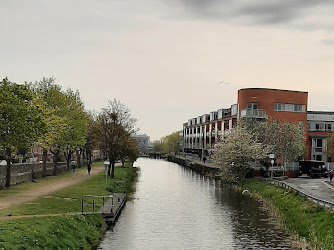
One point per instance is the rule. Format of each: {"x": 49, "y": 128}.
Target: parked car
{"x": 314, "y": 169}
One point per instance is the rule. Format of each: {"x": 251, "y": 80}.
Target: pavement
{"x": 319, "y": 188}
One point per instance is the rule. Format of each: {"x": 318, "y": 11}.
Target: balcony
{"x": 255, "y": 113}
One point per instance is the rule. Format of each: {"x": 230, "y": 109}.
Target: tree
{"x": 157, "y": 146}
{"x": 76, "y": 120}
{"x": 114, "y": 124}
{"x": 129, "y": 150}
{"x": 66, "y": 120}
{"x": 171, "y": 143}
{"x": 287, "y": 140}
{"x": 235, "y": 151}
{"x": 49, "y": 99}
{"x": 21, "y": 122}
{"x": 168, "y": 144}
{"x": 91, "y": 138}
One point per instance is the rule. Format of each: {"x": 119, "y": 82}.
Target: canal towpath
{"x": 51, "y": 185}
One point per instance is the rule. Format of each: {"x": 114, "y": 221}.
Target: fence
{"x": 95, "y": 203}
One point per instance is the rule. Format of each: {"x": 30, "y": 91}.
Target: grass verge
{"x": 65, "y": 231}
{"x": 303, "y": 218}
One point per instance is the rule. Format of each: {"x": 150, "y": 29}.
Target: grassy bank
{"x": 304, "y": 218}
{"x": 64, "y": 231}
{"x": 61, "y": 232}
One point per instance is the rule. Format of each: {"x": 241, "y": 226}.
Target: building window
{"x": 308, "y": 126}
{"x": 319, "y": 127}
{"x": 328, "y": 127}
{"x": 252, "y": 106}
{"x": 290, "y": 107}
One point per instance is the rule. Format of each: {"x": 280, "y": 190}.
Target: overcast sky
{"x": 164, "y": 59}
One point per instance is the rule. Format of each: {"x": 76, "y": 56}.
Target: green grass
{"x": 65, "y": 231}
{"x": 305, "y": 218}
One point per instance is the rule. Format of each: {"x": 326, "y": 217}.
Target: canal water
{"x": 177, "y": 208}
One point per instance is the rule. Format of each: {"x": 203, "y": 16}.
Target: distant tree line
{"x": 42, "y": 113}
{"x": 168, "y": 144}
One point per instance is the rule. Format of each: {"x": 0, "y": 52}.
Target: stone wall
{"x": 24, "y": 172}
{"x": 203, "y": 169}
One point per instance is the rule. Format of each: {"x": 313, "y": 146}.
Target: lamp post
{"x": 272, "y": 156}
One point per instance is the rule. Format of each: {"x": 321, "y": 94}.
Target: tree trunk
{"x": 55, "y": 161}
{"x": 8, "y": 171}
{"x": 68, "y": 156}
{"x": 78, "y": 154}
{"x": 8, "y": 168}
{"x": 45, "y": 155}
{"x": 112, "y": 174}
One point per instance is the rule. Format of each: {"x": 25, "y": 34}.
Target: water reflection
{"x": 176, "y": 208}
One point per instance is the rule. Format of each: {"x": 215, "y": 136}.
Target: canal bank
{"x": 206, "y": 169}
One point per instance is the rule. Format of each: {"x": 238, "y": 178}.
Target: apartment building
{"x": 201, "y": 133}
{"x": 320, "y": 125}
{"x": 144, "y": 143}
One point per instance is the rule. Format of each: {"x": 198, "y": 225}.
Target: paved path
{"x": 200, "y": 162}
{"x": 38, "y": 191}
{"x": 318, "y": 188}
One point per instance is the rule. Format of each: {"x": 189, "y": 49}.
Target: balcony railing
{"x": 256, "y": 113}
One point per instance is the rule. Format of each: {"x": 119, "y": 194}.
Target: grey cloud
{"x": 256, "y": 11}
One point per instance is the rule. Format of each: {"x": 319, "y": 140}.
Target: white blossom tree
{"x": 236, "y": 150}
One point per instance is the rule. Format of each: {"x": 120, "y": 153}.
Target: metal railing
{"x": 257, "y": 113}
{"x": 95, "y": 203}
{"x": 319, "y": 202}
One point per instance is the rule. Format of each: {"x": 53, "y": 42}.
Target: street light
{"x": 272, "y": 156}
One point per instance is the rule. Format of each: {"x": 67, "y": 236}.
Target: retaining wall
{"x": 205, "y": 170}
{"x": 24, "y": 172}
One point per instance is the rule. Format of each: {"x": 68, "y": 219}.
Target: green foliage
{"x": 21, "y": 122}
{"x": 64, "y": 114}
{"x": 303, "y": 217}
{"x": 331, "y": 145}
{"x": 168, "y": 144}
{"x": 49, "y": 99}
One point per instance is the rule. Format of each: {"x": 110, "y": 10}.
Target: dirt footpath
{"x": 36, "y": 192}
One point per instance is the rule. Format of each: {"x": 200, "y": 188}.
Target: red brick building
{"x": 202, "y": 132}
